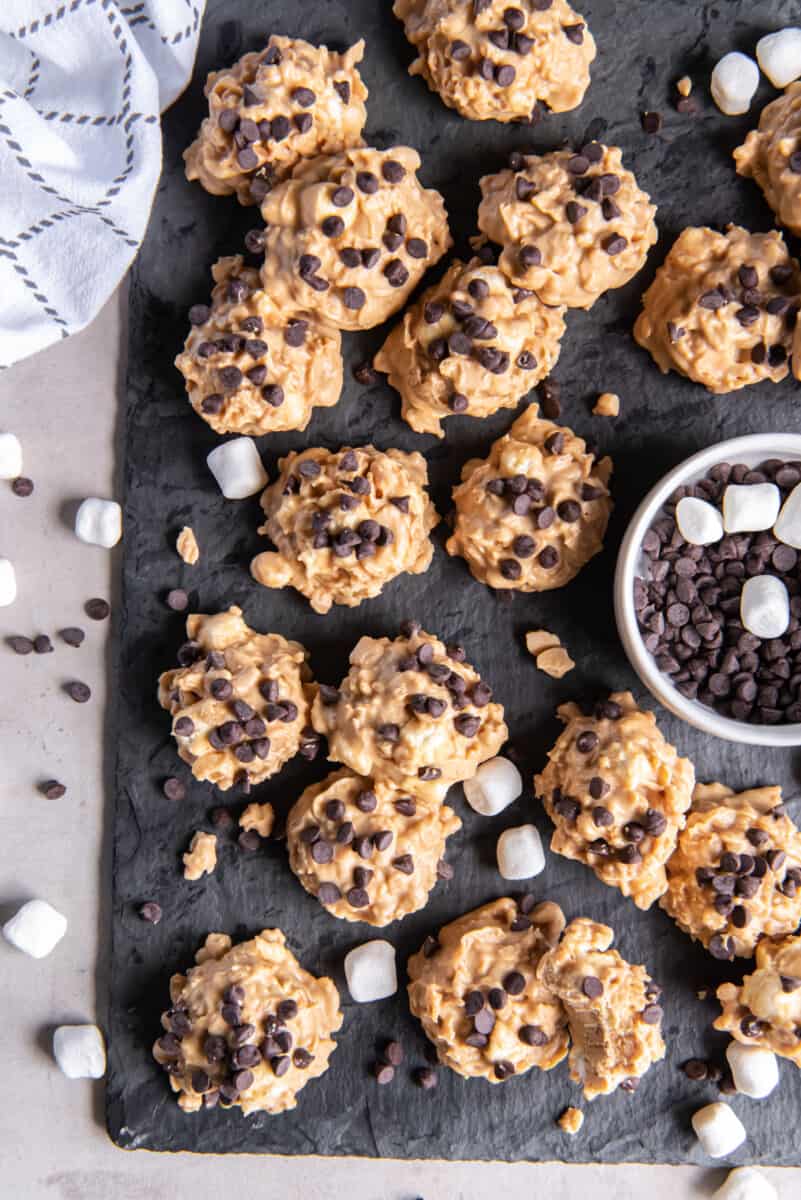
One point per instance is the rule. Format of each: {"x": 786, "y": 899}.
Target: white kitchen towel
{"x": 82, "y": 84}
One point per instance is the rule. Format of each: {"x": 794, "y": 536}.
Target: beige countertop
{"x": 64, "y": 405}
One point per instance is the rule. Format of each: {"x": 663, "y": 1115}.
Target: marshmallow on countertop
{"x": 750, "y": 507}
{"x": 755, "y": 1071}
{"x": 370, "y": 971}
{"x": 10, "y": 456}
{"x": 80, "y": 1051}
{"x": 719, "y": 1130}
{"x": 237, "y": 467}
{"x": 779, "y": 56}
{"x": 765, "y": 606}
{"x": 746, "y": 1183}
{"x": 788, "y": 523}
{"x": 735, "y": 79}
{"x": 8, "y": 583}
{"x": 496, "y": 784}
{"x": 699, "y": 522}
{"x": 36, "y": 928}
{"x": 99, "y": 522}
{"x": 520, "y": 853}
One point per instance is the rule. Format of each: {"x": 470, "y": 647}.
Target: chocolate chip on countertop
{"x": 20, "y": 645}
{"x": 22, "y": 486}
{"x": 177, "y": 600}
{"x": 174, "y": 789}
{"x": 384, "y": 1073}
{"x": 97, "y": 609}
{"x": 52, "y": 789}
{"x": 150, "y": 912}
{"x": 77, "y": 691}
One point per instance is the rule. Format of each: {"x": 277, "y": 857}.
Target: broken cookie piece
{"x": 765, "y": 1010}
{"x": 607, "y": 405}
{"x": 187, "y": 547}
{"x": 259, "y": 817}
{"x": 571, "y": 1121}
{"x": 548, "y": 652}
{"x": 201, "y": 857}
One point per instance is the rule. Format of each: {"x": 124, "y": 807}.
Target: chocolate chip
{"x": 97, "y": 610}
{"x": 77, "y": 691}
{"x": 367, "y": 182}
{"x": 592, "y": 987}
{"x": 651, "y": 122}
{"x": 530, "y": 256}
{"x": 395, "y": 273}
{"x": 614, "y": 244}
{"x": 328, "y": 893}
{"x": 574, "y": 33}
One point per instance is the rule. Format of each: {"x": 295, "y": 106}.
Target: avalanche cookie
{"x": 770, "y": 155}
{"x": 611, "y": 1006}
{"x": 535, "y": 511}
{"x": 476, "y": 991}
{"x": 472, "y": 344}
{"x": 765, "y": 1010}
{"x": 735, "y": 876}
{"x": 492, "y": 60}
{"x": 239, "y": 700}
{"x": 572, "y": 225}
{"x": 368, "y": 850}
{"x": 722, "y": 308}
{"x": 617, "y": 793}
{"x": 274, "y": 107}
{"x": 249, "y": 367}
{"x": 411, "y": 711}
{"x": 345, "y": 523}
{"x": 246, "y": 1026}
{"x": 350, "y": 235}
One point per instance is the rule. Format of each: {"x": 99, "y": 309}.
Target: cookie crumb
{"x": 684, "y": 85}
{"x": 260, "y": 817}
{"x": 549, "y": 653}
{"x": 571, "y": 1121}
{"x": 186, "y": 545}
{"x": 201, "y": 857}
{"x": 607, "y": 405}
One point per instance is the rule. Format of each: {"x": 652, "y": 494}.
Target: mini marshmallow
{"x": 699, "y": 522}
{"x": 36, "y": 928}
{"x": 765, "y": 606}
{"x": 735, "y": 79}
{"x": 779, "y": 56}
{"x": 8, "y": 583}
{"x": 370, "y": 971}
{"x": 238, "y": 469}
{"x": 719, "y": 1130}
{"x": 80, "y": 1051}
{"x": 788, "y": 523}
{"x": 755, "y": 1071}
{"x": 749, "y": 507}
{"x": 99, "y": 522}
{"x": 520, "y": 853}
{"x": 10, "y": 456}
{"x": 746, "y": 1183}
{"x": 496, "y": 784}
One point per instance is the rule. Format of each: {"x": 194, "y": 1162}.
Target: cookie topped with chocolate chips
{"x": 770, "y": 155}
{"x": 765, "y": 1010}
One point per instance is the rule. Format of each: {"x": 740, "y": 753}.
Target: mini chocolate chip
{"x": 77, "y": 691}
{"x": 97, "y": 609}
{"x": 592, "y": 987}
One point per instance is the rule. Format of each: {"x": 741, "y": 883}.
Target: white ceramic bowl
{"x": 751, "y": 450}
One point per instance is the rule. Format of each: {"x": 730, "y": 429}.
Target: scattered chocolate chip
{"x": 22, "y": 486}
{"x": 651, "y": 122}
{"x": 97, "y": 610}
{"x": 52, "y": 789}
{"x": 151, "y": 912}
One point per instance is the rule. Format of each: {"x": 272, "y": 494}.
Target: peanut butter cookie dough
{"x": 492, "y": 60}
{"x": 473, "y": 343}
{"x": 770, "y": 156}
{"x": 239, "y": 699}
{"x": 765, "y": 1010}
{"x": 617, "y": 793}
{"x": 476, "y": 990}
{"x": 345, "y": 523}
{"x": 246, "y": 1026}
{"x": 611, "y": 1007}
{"x": 535, "y": 511}
{"x": 722, "y": 309}
{"x": 411, "y": 711}
{"x": 572, "y": 225}
{"x": 350, "y": 235}
{"x": 274, "y": 107}
{"x": 368, "y": 850}
{"x": 735, "y": 876}
{"x": 249, "y": 366}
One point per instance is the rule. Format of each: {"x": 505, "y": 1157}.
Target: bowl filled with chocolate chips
{"x": 708, "y": 590}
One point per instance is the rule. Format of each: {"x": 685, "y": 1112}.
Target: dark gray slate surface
{"x": 643, "y": 48}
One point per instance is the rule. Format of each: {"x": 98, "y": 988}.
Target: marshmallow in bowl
{"x": 755, "y": 1071}
{"x": 370, "y": 971}
{"x": 237, "y": 467}
{"x": 719, "y": 1130}
{"x": 10, "y": 456}
{"x": 80, "y": 1051}
{"x": 788, "y": 523}
{"x": 779, "y": 56}
{"x": 746, "y": 1183}
{"x": 99, "y": 522}
{"x": 735, "y": 79}
{"x": 8, "y": 583}
{"x": 765, "y": 606}
{"x": 496, "y": 784}
{"x": 520, "y": 853}
{"x": 750, "y": 507}
{"x": 699, "y": 522}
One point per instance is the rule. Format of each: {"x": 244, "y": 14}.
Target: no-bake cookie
{"x": 410, "y": 710}
{"x": 611, "y": 1006}
{"x": 617, "y": 793}
{"x": 345, "y": 523}
{"x": 250, "y": 366}
{"x": 723, "y": 308}
{"x": 367, "y": 849}
{"x": 490, "y": 59}
{"x": 765, "y": 1010}
{"x": 535, "y": 511}
{"x": 350, "y": 235}
{"x": 770, "y": 155}
{"x": 473, "y": 343}
{"x": 272, "y": 108}
{"x": 476, "y": 990}
{"x": 246, "y": 1026}
{"x": 571, "y": 224}
{"x": 239, "y": 699}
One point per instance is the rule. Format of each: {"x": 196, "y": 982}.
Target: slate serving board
{"x": 643, "y": 49}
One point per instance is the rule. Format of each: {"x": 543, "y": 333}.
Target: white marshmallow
{"x": 496, "y": 784}
{"x": 520, "y": 853}
{"x": 99, "y": 522}
{"x": 755, "y": 1071}
{"x": 748, "y": 507}
{"x": 237, "y": 468}
{"x": 719, "y": 1130}
{"x": 699, "y": 522}
{"x": 765, "y": 606}
{"x": 779, "y": 56}
{"x": 80, "y": 1051}
{"x": 735, "y": 79}
{"x": 10, "y": 456}
{"x": 746, "y": 1183}
{"x": 788, "y": 523}
{"x": 36, "y": 928}
{"x": 370, "y": 971}
{"x": 8, "y": 583}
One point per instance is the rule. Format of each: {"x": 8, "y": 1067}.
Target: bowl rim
{"x": 765, "y": 445}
